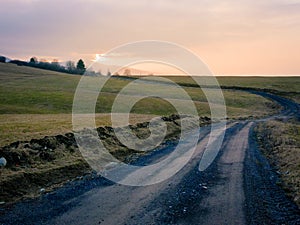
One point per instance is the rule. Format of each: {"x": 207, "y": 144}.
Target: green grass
{"x": 287, "y": 84}
{"x": 46, "y": 97}
{"x": 29, "y": 90}
{"x": 284, "y": 86}
{"x": 288, "y": 87}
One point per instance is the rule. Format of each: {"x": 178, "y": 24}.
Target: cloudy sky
{"x": 232, "y": 37}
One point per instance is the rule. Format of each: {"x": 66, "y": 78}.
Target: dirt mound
{"x": 47, "y": 149}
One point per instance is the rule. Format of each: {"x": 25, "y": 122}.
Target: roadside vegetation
{"x": 280, "y": 142}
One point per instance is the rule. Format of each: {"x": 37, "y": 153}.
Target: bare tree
{"x": 127, "y": 72}
{"x": 70, "y": 65}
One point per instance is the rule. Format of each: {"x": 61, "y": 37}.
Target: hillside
{"x": 35, "y": 103}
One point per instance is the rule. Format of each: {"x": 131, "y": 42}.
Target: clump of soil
{"x": 40, "y": 164}
{"x": 31, "y": 153}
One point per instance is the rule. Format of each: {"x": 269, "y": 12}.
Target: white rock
{"x": 2, "y": 162}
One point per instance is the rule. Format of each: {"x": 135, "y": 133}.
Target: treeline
{"x": 70, "y": 67}
{"x": 56, "y": 66}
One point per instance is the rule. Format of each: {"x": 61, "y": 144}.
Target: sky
{"x": 232, "y": 37}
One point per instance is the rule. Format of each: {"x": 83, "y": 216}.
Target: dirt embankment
{"x": 38, "y": 165}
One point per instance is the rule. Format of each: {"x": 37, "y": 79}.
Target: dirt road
{"x": 239, "y": 187}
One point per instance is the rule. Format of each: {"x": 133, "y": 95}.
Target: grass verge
{"x": 280, "y": 142}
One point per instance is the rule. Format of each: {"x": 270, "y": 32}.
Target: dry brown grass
{"x": 280, "y": 142}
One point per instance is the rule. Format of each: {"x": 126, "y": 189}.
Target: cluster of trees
{"x": 56, "y": 66}
{"x": 70, "y": 66}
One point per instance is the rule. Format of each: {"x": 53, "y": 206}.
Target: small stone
{"x": 2, "y": 162}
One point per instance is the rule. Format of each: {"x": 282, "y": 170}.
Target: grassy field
{"x": 28, "y": 90}
{"x": 35, "y": 102}
{"x": 280, "y": 142}
{"x": 285, "y": 86}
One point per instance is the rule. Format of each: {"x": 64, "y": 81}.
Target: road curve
{"x": 225, "y": 193}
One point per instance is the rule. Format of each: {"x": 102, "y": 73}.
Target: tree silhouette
{"x": 33, "y": 60}
{"x": 80, "y": 66}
